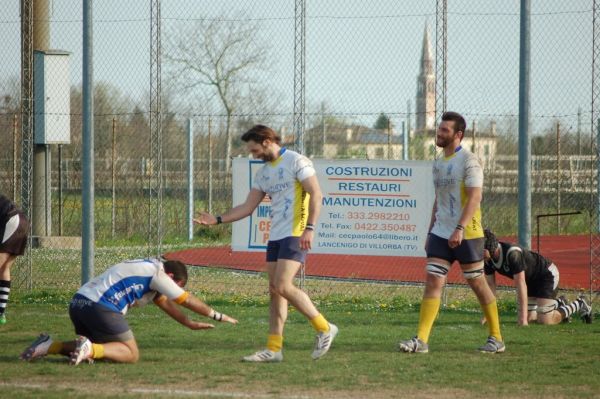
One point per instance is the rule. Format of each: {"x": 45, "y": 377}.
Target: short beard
{"x": 267, "y": 158}
{"x": 445, "y": 142}
{"x": 442, "y": 144}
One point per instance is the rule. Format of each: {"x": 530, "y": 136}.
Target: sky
{"x": 362, "y": 57}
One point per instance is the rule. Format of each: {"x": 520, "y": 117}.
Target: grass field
{"x": 541, "y": 361}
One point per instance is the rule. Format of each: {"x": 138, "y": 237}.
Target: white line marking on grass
{"x": 183, "y": 392}
{"x": 169, "y": 392}
{"x": 30, "y": 386}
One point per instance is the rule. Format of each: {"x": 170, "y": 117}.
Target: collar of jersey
{"x": 453, "y": 154}
{"x": 498, "y": 263}
{"x": 279, "y": 158}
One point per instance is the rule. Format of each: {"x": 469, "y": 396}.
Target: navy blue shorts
{"x": 286, "y": 248}
{"x": 469, "y": 251}
{"x": 98, "y": 323}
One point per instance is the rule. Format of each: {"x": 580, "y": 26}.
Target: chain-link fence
{"x": 371, "y": 83}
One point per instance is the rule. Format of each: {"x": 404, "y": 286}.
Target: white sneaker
{"x": 413, "y": 345}
{"x": 492, "y": 345}
{"x": 83, "y": 351}
{"x": 264, "y": 356}
{"x": 323, "y": 341}
{"x": 38, "y": 348}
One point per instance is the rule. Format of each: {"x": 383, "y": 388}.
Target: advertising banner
{"x": 369, "y": 207}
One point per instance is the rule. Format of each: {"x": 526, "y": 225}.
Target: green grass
{"x": 557, "y": 361}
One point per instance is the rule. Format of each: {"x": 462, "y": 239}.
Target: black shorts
{"x": 469, "y": 251}
{"x": 286, "y": 248}
{"x": 14, "y": 235}
{"x": 98, "y": 323}
{"x": 546, "y": 285}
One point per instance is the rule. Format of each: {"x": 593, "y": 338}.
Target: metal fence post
{"x": 190, "y": 179}
{"x": 524, "y": 218}
{"x": 87, "y": 229}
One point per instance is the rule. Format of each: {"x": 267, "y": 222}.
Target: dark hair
{"x": 260, "y": 133}
{"x": 178, "y": 269}
{"x": 459, "y": 122}
{"x": 491, "y": 242}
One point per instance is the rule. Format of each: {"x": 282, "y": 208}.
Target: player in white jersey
{"x": 98, "y": 311}
{"x": 455, "y": 234}
{"x": 290, "y": 181}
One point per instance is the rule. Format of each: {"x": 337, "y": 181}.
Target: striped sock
{"x": 4, "y": 291}
{"x": 568, "y": 310}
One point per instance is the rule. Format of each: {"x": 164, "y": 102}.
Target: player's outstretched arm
{"x": 239, "y": 212}
{"x": 171, "y": 308}
{"x": 196, "y": 305}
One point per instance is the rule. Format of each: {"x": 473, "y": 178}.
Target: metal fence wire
{"x": 338, "y": 79}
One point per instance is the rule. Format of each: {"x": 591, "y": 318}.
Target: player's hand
{"x": 206, "y": 219}
{"x": 306, "y": 239}
{"x": 483, "y": 320}
{"x": 229, "y": 319}
{"x": 196, "y": 325}
{"x": 455, "y": 238}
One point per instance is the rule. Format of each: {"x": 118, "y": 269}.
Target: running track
{"x": 570, "y": 253}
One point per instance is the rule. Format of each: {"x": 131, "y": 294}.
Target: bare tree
{"x": 222, "y": 53}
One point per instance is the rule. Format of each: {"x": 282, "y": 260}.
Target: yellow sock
{"x": 319, "y": 323}
{"x": 97, "y": 351}
{"x": 275, "y": 343}
{"x": 427, "y": 315}
{"x": 493, "y": 321}
{"x": 55, "y": 348}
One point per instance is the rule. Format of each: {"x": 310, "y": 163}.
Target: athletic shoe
{"x": 2, "y": 319}
{"x": 585, "y": 311}
{"x": 323, "y": 342}
{"x": 38, "y": 348}
{"x": 562, "y": 302}
{"x": 83, "y": 351}
{"x": 264, "y": 356}
{"x": 492, "y": 345}
{"x": 413, "y": 345}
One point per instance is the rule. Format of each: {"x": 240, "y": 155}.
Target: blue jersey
{"x": 131, "y": 283}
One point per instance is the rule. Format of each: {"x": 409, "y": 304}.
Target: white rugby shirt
{"x": 281, "y": 179}
{"x": 451, "y": 176}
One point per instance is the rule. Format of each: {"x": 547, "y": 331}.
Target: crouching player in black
{"x": 536, "y": 280}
